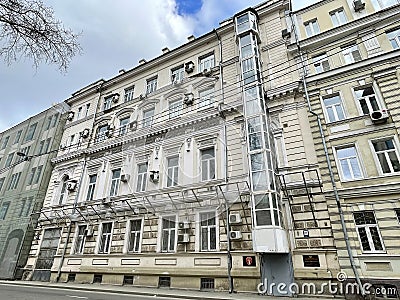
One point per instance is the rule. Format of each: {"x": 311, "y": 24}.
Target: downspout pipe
{"x": 328, "y": 161}
{"x": 221, "y": 78}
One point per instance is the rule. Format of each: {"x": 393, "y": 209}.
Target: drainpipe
{"x": 328, "y": 161}
{"x": 229, "y": 246}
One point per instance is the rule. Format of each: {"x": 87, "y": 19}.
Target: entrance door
{"x": 275, "y": 269}
{"x": 48, "y": 250}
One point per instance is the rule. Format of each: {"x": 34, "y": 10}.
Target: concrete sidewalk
{"x": 159, "y": 292}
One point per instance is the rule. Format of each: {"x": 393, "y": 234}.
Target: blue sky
{"x": 113, "y": 38}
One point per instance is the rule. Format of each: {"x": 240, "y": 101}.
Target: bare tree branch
{"x": 29, "y": 29}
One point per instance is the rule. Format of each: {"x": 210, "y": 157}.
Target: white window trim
{"x": 359, "y": 160}
{"x": 325, "y": 110}
{"x": 142, "y": 180}
{"x": 211, "y": 95}
{"x": 375, "y": 156}
{"x": 127, "y": 235}
{"x": 160, "y": 229}
{"x": 99, "y": 235}
{"x": 336, "y": 14}
{"x": 378, "y": 97}
{"x": 347, "y": 51}
{"x": 309, "y": 24}
{"x": 75, "y": 240}
{"x": 144, "y": 119}
{"x": 371, "y": 243}
{"x": 200, "y": 163}
{"x": 167, "y": 168}
{"x": 112, "y": 180}
{"x": 197, "y": 245}
{"x": 210, "y": 57}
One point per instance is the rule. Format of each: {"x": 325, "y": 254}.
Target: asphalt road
{"x": 14, "y": 292}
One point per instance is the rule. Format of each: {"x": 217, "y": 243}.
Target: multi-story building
{"x": 350, "y": 53}
{"x": 218, "y": 165}
{"x": 25, "y": 153}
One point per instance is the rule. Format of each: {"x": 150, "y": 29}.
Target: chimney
{"x": 142, "y": 61}
{"x": 191, "y": 38}
{"x": 122, "y": 71}
{"x": 165, "y": 50}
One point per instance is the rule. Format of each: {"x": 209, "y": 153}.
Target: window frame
{"x": 209, "y": 164}
{"x": 172, "y": 234}
{"x": 367, "y": 99}
{"x": 209, "y": 227}
{"x": 335, "y": 111}
{"x": 206, "y": 98}
{"x": 206, "y": 62}
{"x": 138, "y": 236}
{"x": 5, "y": 142}
{"x": 320, "y": 59}
{"x": 367, "y": 228}
{"x": 18, "y": 136}
{"x": 129, "y": 93}
{"x": 115, "y": 181}
{"x": 80, "y": 239}
{"x": 151, "y": 85}
{"x": 31, "y": 132}
{"x": 123, "y": 128}
{"x": 174, "y": 180}
{"x": 5, "y": 206}
{"x": 107, "y": 239}
{"x": 393, "y": 36}
{"x": 177, "y": 74}
{"x": 101, "y": 133}
{"x": 376, "y": 157}
{"x": 9, "y": 160}
{"x": 349, "y": 164}
{"x": 312, "y": 27}
{"x": 147, "y": 121}
{"x": 338, "y": 17}
{"x": 348, "y": 54}
{"x": 91, "y": 187}
{"x": 141, "y": 178}
{"x": 107, "y": 102}
{"x": 175, "y": 107}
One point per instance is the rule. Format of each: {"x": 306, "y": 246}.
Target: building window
{"x": 248, "y": 46}
{"x": 1, "y": 183}
{"x": 31, "y": 132}
{"x": 208, "y": 231}
{"x": 173, "y": 171}
{"x": 206, "y": 98}
{"x": 141, "y": 178}
{"x": 368, "y": 231}
{"x": 397, "y": 211}
{"x": 367, "y": 100}
{"x": 208, "y": 164}
{"x": 387, "y": 155}
{"x": 245, "y": 22}
{"x": 338, "y": 17}
{"x": 123, "y": 126}
{"x": 348, "y": 163}
{"x": 116, "y": 177}
{"x": 25, "y": 150}
{"x": 255, "y": 132}
{"x": 164, "y": 281}
{"x": 168, "y": 231}
{"x": 394, "y": 38}
{"x": 206, "y": 62}
{"x": 351, "y": 54}
{"x": 18, "y": 137}
{"x": 37, "y": 175}
{"x": 9, "y": 160}
{"x": 321, "y": 63}
{"x": 134, "y": 237}
{"x": 148, "y": 116}
{"x": 64, "y": 192}
{"x": 3, "y": 210}
{"x": 177, "y": 74}
{"x": 101, "y": 133}
{"x": 107, "y": 104}
{"x": 80, "y": 239}
{"x": 54, "y": 119}
{"x": 31, "y": 175}
{"x": 380, "y": 4}
{"x": 5, "y": 142}
{"x": 334, "y": 108}
{"x": 312, "y": 27}
{"x": 105, "y": 238}
{"x": 207, "y": 284}
{"x": 175, "y": 108}
{"x": 91, "y": 187}
{"x": 87, "y": 109}
{"x": 14, "y": 181}
{"x": 128, "y": 93}
{"x": 79, "y": 113}
{"x": 151, "y": 85}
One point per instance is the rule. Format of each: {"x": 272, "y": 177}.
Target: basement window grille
{"x": 97, "y": 278}
{"x": 71, "y": 277}
{"x": 164, "y": 282}
{"x": 207, "y": 284}
{"x": 128, "y": 280}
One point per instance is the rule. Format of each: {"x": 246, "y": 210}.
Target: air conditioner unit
{"x": 184, "y": 225}
{"x": 379, "y": 116}
{"x": 85, "y": 133}
{"x": 71, "y": 185}
{"x": 125, "y": 177}
{"x": 285, "y": 33}
{"x": 235, "y": 218}
{"x": 115, "y": 98}
{"x": 207, "y": 72}
{"x": 183, "y": 238}
{"x": 154, "y": 176}
{"x": 141, "y": 96}
{"x": 106, "y": 201}
{"x": 133, "y": 125}
{"x": 235, "y": 235}
{"x": 70, "y": 116}
{"x": 189, "y": 67}
{"x": 188, "y": 99}
{"x": 358, "y": 5}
